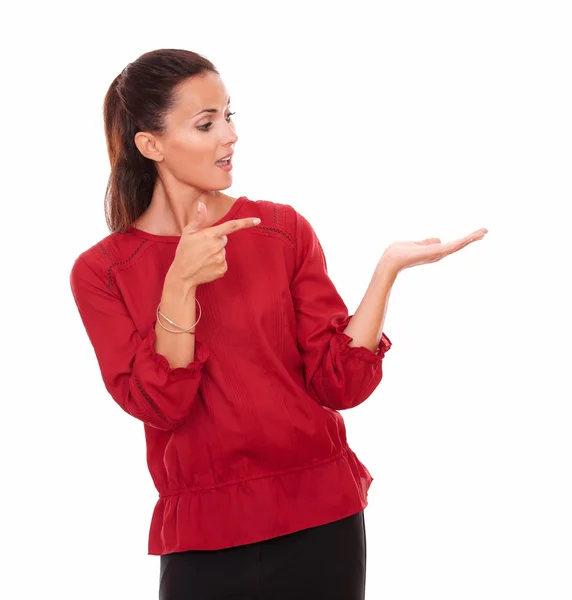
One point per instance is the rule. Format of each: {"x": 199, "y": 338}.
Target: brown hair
{"x": 138, "y": 100}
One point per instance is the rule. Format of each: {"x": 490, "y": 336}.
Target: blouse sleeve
{"x": 337, "y": 375}
{"x": 139, "y": 379}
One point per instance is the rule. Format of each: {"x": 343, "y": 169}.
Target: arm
{"x": 339, "y": 372}
{"x": 366, "y": 326}
{"x": 178, "y": 303}
{"x": 138, "y": 378}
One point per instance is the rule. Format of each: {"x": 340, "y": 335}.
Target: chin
{"x": 221, "y": 187}
{"x": 211, "y": 186}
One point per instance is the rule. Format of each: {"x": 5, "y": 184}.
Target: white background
{"x": 378, "y": 122}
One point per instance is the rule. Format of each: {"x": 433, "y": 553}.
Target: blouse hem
{"x": 258, "y": 509}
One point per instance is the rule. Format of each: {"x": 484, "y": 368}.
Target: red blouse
{"x": 245, "y": 443}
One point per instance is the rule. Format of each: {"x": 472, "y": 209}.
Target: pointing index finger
{"x": 234, "y": 225}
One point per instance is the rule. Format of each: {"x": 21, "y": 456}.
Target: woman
{"x": 215, "y": 323}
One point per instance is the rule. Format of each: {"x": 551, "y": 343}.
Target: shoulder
{"x": 278, "y": 218}
{"x": 98, "y": 261}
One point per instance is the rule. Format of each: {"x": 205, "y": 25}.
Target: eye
{"x": 207, "y": 126}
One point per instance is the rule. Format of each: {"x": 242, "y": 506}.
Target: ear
{"x": 149, "y": 145}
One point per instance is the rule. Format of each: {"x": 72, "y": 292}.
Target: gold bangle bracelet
{"x": 180, "y": 329}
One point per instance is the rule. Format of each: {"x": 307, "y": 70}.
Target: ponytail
{"x": 132, "y": 178}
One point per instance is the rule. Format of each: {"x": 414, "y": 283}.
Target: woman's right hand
{"x": 201, "y": 256}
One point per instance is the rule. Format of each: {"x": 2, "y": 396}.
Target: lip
{"x": 226, "y": 167}
{"x": 229, "y": 155}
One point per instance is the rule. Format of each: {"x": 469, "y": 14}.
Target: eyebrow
{"x": 210, "y": 110}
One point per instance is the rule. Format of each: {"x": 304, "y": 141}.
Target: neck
{"x": 173, "y": 204}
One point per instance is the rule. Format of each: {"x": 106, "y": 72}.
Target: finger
{"x": 215, "y": 245}
{"x": 479, "y": 234}
{"x": 234, "y": 225}
{"x": 429, "y": 241}
{"x": 197, "y": 220}
{"x": 481, "y": 231}
{"x": 456, "y": 245}
{"x": 220, "y": 257}
{"x": 218, "y": 260}
{"x": 434, "y": 250}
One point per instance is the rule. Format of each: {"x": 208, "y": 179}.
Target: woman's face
{"x": 199, "y": 132}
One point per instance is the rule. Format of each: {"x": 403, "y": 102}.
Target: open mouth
{"x": 225, "y": 163}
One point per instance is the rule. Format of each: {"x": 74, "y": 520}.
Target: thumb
{"x": 198, "y": 217}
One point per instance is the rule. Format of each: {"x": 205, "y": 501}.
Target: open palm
{"x": 402, "y": 255}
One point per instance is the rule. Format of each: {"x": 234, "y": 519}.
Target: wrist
{"x": 179, "y": 285}
{"x": 387, "y": 270}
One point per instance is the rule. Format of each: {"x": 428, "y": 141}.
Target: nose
{"x": 231, "y": 137}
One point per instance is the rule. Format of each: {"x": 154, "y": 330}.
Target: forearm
{"x": 177, "y": 303}
{"x": 366, "y": 325}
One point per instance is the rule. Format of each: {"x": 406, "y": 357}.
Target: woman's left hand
{"x": 401, "y": 255}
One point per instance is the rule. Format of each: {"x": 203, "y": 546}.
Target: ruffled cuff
{"x": 201, "y": 355}
{"x": 359, "y": 352}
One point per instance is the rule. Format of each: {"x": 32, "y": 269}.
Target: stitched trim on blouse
{"x": 121, "y": 263}
{"x": 277, "y": 230}
{"x": 102, "y": 248}
{"x": 151, "y": 403}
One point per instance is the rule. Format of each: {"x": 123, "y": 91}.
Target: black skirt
{"x": 326, "y": 562}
